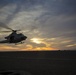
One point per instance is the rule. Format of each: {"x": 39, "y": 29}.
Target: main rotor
{"x": 8, "y": 29}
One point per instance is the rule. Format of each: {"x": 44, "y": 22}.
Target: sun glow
{"x": 36, "y": 40}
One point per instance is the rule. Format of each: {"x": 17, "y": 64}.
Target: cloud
{"x": 7, "y": 48}
{"x": 52, "y": 20}
{"x": 71, "y": 45}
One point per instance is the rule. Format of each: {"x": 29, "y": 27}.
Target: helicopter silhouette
{"x": 14, "y": 37}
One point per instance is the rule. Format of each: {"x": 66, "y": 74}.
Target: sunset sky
{"x": 48, "y": 24}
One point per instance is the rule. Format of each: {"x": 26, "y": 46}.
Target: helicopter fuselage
{"x": 15, "y": 38}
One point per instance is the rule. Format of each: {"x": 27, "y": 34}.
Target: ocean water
{"x": 38, "y": 63}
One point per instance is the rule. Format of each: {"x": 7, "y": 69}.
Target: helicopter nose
{"x": 23, "y": 38}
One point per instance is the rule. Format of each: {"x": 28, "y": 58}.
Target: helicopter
{"x": 14, "y": 37}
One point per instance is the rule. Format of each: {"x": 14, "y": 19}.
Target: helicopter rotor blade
{"x": 9, "y": 31}
{"x": 2, "y": 25}
{"x": 9, "y": 28}
{"x": 4, "y": 31}
{"x": 16, "y": 30}
{"x": 5, "y": 26}
{"x": 24, "y": 30}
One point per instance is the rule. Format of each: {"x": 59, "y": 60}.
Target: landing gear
{"x": 22, "y": 42}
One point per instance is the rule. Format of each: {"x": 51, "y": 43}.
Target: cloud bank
{"x": 44, "y": 19}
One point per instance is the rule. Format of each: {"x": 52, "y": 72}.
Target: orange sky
{"x": 29, "y": 47}
{"x": 26, "y": 48}
{"x": 38, "y": 44}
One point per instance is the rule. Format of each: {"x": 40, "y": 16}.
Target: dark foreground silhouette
{"x": 38, "y": 63}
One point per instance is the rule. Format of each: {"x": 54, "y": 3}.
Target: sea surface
{"x": 39, "y": 62}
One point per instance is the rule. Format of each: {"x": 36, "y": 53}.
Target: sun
{"x": 36, "y": 40}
